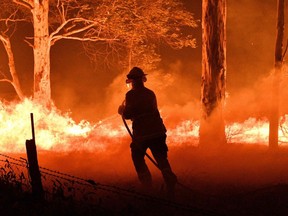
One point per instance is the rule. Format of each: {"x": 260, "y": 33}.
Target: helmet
{"x": 135, "y": 73}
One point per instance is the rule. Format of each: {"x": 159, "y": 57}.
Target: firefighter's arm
{"x": 121, "y": 109}
{"x": 125, "y": 109}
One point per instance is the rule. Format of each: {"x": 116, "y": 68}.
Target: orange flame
{"x": 53, "y": 129}
{"x": 59, "y": 132}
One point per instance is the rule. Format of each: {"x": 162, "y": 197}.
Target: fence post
{"x": 37, "y": 188}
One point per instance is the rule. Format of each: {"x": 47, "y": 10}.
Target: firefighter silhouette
{"x": 148, "y": 130}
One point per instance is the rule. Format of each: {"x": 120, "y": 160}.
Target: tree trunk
{"x": 274, "y": 109}
{"x": 11, "y": 62}
{"x": 42, "y": 44}
{"x": 212, "y": 128}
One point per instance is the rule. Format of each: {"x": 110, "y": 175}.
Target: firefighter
{"x": 140, "y": 106}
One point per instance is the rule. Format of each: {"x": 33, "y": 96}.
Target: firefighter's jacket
{"x": 141, "y": 108}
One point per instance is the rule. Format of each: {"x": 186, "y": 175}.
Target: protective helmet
{"x": 135, "y": 73}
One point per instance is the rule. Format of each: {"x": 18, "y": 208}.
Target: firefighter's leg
{"x": 142, "y": 170}
{"x": 159, "y": 150}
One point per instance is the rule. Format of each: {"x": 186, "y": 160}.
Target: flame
{"x": 59, "y": 132}
{"x": 53, "y": 129}
{"x": 255, "y": 131}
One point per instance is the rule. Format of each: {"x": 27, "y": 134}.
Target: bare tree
{"x": 131, "y": 23}
{"x": 274, "y": 109}
{"x": 61, "y": 19}
{"x": 9, "y": 17}
{"x": 212, "y": 128}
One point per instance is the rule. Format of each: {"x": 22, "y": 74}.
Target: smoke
{"x": 232, "y": 167}
{"x": 249, "y": 102}
{"x": 251, "y": 31}
{"x": 174, "y": 88}
{"x": 256, "y": 100}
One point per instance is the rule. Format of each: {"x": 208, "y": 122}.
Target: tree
{"x": 143, "y": 25}
{"x": 212, "y": 128}
{"x": 132, "y": 24}
{"x": 9, "y": 17}
{"x": 274, "y": 109}
{"x": 56, "y": 20}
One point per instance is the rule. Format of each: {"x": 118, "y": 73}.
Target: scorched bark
{"x": 274, "y": 109}
{"x": 212, "y": 129}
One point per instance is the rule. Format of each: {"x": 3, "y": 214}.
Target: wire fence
{"x": 57, "y": 181}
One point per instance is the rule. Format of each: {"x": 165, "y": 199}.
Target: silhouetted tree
{"x": 274, "y": 109}
{"x": 212, "y": 128}
{"x": 10, "y": 15}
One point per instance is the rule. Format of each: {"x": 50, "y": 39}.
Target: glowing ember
{"x": 59, "y": 132}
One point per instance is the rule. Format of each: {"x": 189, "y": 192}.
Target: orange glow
{"x": 53, "y": 130}
{"x": 59, "y": 132}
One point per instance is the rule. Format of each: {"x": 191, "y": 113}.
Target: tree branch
{"x": 6, "y": 80}
{"x": 3, "y": 40}
{"x": 72, "y": 20}
{"x": 6, "y": 20}
{"x": 95, "y": 39}
{"x": 54, "y": 37}
{"x": 25, "y": 3}
{"x": 29, "y": 43}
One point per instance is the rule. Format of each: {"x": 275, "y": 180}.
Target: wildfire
{"x": 59, "y": 132}
{"x": 53, "y": 129}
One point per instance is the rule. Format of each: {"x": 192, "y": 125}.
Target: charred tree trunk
{"x": 212, "y": 128}
{"x": 274, "y": 111}
{"x": 42, "y": 44}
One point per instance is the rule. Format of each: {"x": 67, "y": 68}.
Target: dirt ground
{"x": 232, "y": 180}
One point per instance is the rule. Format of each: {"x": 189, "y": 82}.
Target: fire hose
{"x": 146, "y": 154}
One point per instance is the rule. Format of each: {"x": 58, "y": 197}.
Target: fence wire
{"x": 92, "y": 185}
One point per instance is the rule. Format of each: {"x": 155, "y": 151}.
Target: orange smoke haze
{"x": 245, "y": 115}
